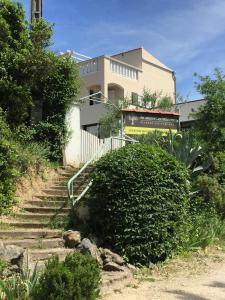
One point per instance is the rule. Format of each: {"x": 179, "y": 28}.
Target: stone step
{"x": 42, "y": 203}
{"x": 39, "y": 217}
{"x": 63, "y": 183}
{"x": 58, "y": 193}
{"x": 44, "y": 254}
{"x": 66, "y": 177}
{"x": 46, "y": 209}
{"x": 36, "y": 243}
{"x": 23, "y": 224}
{"x": 30, "y": 234}
{"x": 52, "y": 198}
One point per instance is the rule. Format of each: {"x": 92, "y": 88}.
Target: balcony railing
{"x": 123, "y": 70}
{"x": 89, "y": 67}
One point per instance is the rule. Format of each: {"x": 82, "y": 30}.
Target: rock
{"x": 112, "y": 267}
{"x": 106, "y": 261}
{"x": 87, "y": 247}
{"x": 72, "y": 238}
{"x": 131, "y": 267}
{"x": 111, "y": 256}
{"x": 13, "y": 256}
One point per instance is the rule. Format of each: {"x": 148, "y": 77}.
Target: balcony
{"x": 123, "y": 70}
{"x": 88, "y": 67}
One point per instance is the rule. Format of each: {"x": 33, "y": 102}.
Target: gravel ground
{"x": 200, "y": 277}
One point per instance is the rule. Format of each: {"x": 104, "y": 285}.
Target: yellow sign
{"x": 144, "y": 130}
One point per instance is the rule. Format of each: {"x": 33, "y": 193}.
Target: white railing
{"x": 109, "y": 144}
{"x": 89, "y": 67}
{"x": 123, "y": 70}
{"x": 91, "y": 144}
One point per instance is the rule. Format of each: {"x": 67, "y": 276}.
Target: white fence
{"x": 90, "y": 144}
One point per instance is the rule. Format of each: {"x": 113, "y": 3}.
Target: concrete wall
{"x": 72, "y": 148}
{"x": 91, "y": 114}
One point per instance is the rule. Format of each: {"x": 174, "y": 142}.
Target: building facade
{"x": 123, "y": 75}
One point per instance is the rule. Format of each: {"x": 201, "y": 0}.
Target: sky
{"x": 186, "y": 35}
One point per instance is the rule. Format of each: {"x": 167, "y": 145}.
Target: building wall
{"x": 133, "y": 57}
{"x": 152, "y": 75}
{"x": 157, "y": 80}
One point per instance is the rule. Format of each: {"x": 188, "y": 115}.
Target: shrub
{"x": 19, "y": 286}
{"x": 211, "y": 192}
{"x": 16, "y": 156}
{"x": 205, "y": 225}
{"x": 77, "y": 278}
{"x": 8, "y": 174}
{"x": 219, "y": 167}
{"x": 139, "y": 202}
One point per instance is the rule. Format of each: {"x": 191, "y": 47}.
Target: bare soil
{"x": 197, "y": 276}
{"x": 35, "y": 181}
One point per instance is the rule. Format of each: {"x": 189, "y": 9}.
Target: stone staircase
{"x": 32, "y": 227}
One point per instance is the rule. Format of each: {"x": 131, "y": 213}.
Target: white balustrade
{"x": 123, "y": 70}
{"x": 89, "y": 67}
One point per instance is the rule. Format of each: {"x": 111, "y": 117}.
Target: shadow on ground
{"x": 185, "y": 295}
{"x": 216, "y": 284}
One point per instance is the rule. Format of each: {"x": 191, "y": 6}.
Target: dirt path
{"x": 201, "y": 277}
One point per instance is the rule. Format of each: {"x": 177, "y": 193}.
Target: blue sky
{"x": 187, "y": 36}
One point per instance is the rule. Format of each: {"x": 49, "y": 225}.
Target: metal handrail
{"x": 70, "y": 184}
{"x": 70, "y": 188}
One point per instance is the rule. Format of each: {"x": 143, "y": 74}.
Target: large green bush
{"x": 76, "y": 278}
{"x": 139, "y": 202}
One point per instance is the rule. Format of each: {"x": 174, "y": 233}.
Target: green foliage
{"x": 165, "y": 103}
{"x": 76, "y": 278}
{"x": 139, "y": 202}
{"x": 149, "y": 99}
{"x": 184, "y": 147}
{"x": 16, "y": 156}
{"x": 218, "y": 168}
{"x": 205, "y": 225}
{"x": 211, "y": 116}
{"x": 156, "y": 100}
{"x": 211, "y": 192}
{"x": 35, "y": 83}
{"x": 8, "y": 167}
{"x": 19, "y": 286}
{"x": 110, "y": 124}
{"x": 3, "y": 265}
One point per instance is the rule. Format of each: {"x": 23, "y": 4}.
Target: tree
{"x": 165, "y": 103}
{"x": 211, "y": 116}
{"x": 36, "y": 85}
{"x": 149, "y": 99}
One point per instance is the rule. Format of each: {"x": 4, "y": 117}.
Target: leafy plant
{"x": 205, "y": 225}
{"x": 210, "y": 119}
{"x": 165, "y": 103}
{"x": 139, "y": 202}
{"x": 32, "y": 78}
{"x": 149, "y": 98}
{"x": 76, "y": 278}
{"x": 3, "y": 265}
{"x": 211, "y": 192}
{"x": 19, "y": 286}
{"x": 218, "y": 167}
